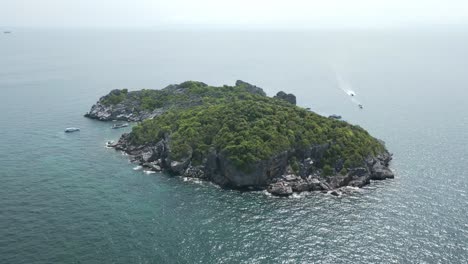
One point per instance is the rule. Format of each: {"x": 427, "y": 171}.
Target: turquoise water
{"x": 65, "y": 198}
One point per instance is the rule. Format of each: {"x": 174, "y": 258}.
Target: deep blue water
{"x": 65, "y": 198}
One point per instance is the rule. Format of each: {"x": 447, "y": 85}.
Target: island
{"x": 239, "y": 138}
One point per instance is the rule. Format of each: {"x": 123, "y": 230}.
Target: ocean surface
{"x": 65, "y": 198}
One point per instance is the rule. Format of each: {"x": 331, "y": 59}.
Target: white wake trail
{"x": 347, "y": 88}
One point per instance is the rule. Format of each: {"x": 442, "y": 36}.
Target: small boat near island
{"x": 116, "y": 126}
{"x": 338, "y": 117}
{"x": 71, "y": 129}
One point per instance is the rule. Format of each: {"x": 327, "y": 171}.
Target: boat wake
{"x": 345, "y": 86}
{"x": 347, "y": 89}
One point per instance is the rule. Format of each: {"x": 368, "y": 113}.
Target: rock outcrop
{"x": 291, "y": 98}
{"x": 119, "y": 113}
{"x": 251, "y": 88}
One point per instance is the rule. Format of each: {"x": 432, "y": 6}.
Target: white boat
{"x": 115, "y": 126}
{"x": 71, "y": 129}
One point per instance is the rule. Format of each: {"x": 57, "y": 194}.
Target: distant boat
{"x": 360, "y": 106}
{"x": 6, "y": 32}
{"x": 338, "y": 117}
{"x": 71, "y": 129}
{"x": 115, "y": 126}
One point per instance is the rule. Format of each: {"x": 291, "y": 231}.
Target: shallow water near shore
{"x": 66, "y": 198}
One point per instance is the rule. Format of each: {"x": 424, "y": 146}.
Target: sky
{"x": 231, "y": 13}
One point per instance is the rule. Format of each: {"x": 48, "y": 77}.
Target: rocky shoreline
{"x": 275, "y": 175}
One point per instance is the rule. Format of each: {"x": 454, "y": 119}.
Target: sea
{"x": 66, "y": 198}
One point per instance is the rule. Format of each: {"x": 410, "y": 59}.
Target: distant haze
{"x": 231, "y": 13}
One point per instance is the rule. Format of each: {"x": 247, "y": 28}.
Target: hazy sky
{"x": 231, "y": 13}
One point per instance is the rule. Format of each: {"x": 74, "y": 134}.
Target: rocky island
{"x": 237, "y": 137}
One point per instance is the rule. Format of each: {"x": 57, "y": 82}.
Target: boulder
{"x": 301, "y": 186}
{"x": 291, "y": 98}
{"x": 280, "y": 189}
{"x": 324, "y": 186}
{"x": 195, "y": 172}
{"x": 382, "y": 174}
{"x": 314, "y": 184}
{"x": 291, "y": 177}
{"x": 152, "y": 165}
{"x": 178, "y": 167}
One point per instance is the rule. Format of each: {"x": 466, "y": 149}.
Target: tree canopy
{"x": 248, "y": 128}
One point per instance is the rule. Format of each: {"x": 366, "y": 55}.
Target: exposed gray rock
{"x": 291, "y": 98}
{"x": 223, "y": 172}
{"x": 280, "y": 189}
{"x": 153, "y": 166}
{"x": 178, "y": 167}
{"x": 324, "y": 186}
{"x": 251, "y": 88}
{"x": 382, "y": 174}
{"x": 380, "y": 169}
{"x": 291, "y": 177}
{"x": 359, "y": 171}
{"x": 195, "y": 172}
{"x": 300, "y": 186}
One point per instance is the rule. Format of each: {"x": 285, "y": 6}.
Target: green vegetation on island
{"x": 249, "y": 127}
{"x": 237, "y": 137}
{"x": 188, "y": 93}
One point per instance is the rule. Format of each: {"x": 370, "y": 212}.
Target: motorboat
{"x": 115, "y": 126}
{"x": 338, "y": 117}
{"x": 71, "y": 129}
{"x": 360, "y": 106}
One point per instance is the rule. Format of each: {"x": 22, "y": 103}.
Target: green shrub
{"x": 115, "y": 97}
{"x": 327, "y": 170}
